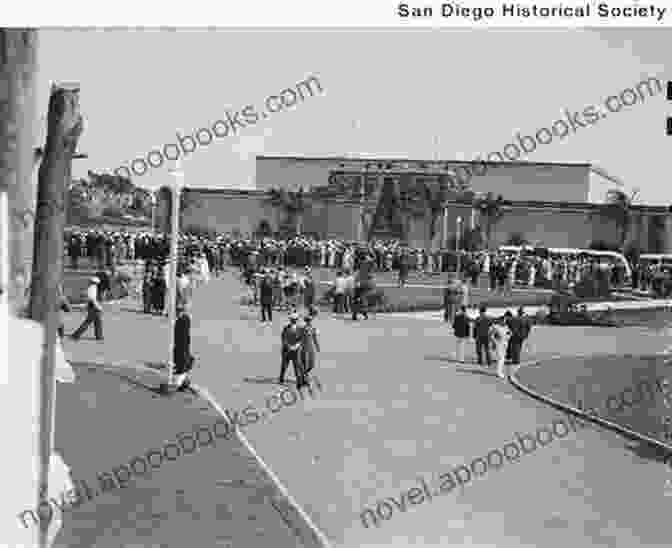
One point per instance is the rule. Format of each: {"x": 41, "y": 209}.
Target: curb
{"x": 304, "y": 528}
{"x": 604, "y": 423}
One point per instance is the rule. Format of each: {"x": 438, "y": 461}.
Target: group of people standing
{"x": 279, "y": 289}
{"x": 502, "y": 337}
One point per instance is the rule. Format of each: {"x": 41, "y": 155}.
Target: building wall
{"x": 542, "y": 182}
{"x": 227, "y": 211}
{"x": 551, "y": 183}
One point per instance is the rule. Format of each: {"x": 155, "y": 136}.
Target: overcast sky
{"x": 391, "y": 93}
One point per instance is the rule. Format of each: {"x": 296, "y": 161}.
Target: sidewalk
{"x": 218, "y": 496}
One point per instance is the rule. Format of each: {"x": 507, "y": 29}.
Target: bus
{"x": 612, "y": 257}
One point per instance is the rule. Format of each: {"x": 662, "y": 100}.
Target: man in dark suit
{"x": 520, "y": 326}
{"x": 266, "y": 298}
{"x": 292, "y": 339}
{"x": 182, "y": 358}
{"x": 461, "y": 328}
{"x": 481, "y": 336}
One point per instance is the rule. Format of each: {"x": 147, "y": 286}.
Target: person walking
{"x": 451, "y": 298}
{"x": 482, "y": 336}
{"x": 525, "y": 330}
{"x": 292, "y": 340}
{"x": 499, "y": 335}
{"x": 266, "y": 298}
{"x": 105, "y": 285}
{"x": 308, "y": 289}
{"x": 461, "y": 328}
{"x": 359, "y": 301}
{"x": 349, "y": 291}
{"x": 147, "y": 290}
{"x": 311, "y": 345}
{"x": 183, "y": 361}
{"x": 403, "y": 269}
{"x": 339, "y": 293}
{"x": 93, "y": 312}
{"x": 63, "y": 306}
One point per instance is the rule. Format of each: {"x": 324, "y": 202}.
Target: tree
{"x": 517, "y": 238}
{"x": 64, "y": 127}
{"x": 472, "y": 239}
{"x": 435, "y": 197}
{"x": 601, "y": 245}
{"x": 188, "y": 201}
{"x": 618, "y": 208}
{"x": 18, "y": 69}
{"x": 293, "y": 204}
{"x": 491, "y": 211}
{"x": 263, "y": 229}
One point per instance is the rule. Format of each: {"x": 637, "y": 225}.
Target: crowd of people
{"x": 653, "y": 278}
{"x": 502, "y": 270}
{"x": 278, "y": 275}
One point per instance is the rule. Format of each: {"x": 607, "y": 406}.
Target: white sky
{"x": 470, "y": 89}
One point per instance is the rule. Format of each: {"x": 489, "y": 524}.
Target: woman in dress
{"x": 311, "y": 344}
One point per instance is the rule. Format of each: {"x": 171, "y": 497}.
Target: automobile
{"x": 565, "y": 310}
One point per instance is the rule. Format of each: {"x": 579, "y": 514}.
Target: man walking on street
{"x": 93, "y": 312}
{"x": 339, "y": 293}
{"x": 482, "y": 336}
{"x": 308, "y": 289}
{"x": 266, "y": 298}
{"x": 520, "y": 327}
{"x": 292, "y": 339}
{"x": 451, "y": 298}
{"x": 461, "y": 329}
{"x": 182, "y": 358}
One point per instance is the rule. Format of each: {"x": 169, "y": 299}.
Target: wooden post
{"x": 64, "y": 126}
{"x": 18, "y": 65}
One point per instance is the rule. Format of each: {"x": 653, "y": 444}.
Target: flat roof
{"x": 559, "y": 205}
{"x": 426, "y": 161}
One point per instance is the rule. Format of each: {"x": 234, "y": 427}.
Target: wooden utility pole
{"x": 64, "y": 127}
{"x": 18, "y": 66}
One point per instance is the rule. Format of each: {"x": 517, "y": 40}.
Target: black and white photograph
{"x": 407, "y": 265}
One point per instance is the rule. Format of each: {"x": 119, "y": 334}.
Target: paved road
{"x": 215, "y": 496}
{"x": 395, "y": 407}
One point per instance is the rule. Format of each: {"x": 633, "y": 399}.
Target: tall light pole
{"x": 445, "y": 226}
{"x": 152, "y": 197}
{"x": 176, "y": 189}
{"x": 360, "y": 230}
{"x": 457, "y": 245}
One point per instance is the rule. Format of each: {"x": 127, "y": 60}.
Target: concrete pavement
{"x": 396, "y": 407}
{"x": 217, "y": 496}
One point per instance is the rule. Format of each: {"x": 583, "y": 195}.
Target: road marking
{"x": 321, "y": 538}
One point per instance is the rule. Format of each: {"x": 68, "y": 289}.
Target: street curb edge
{"x": 577, "y": 412}
{"x": 315, "y": 537}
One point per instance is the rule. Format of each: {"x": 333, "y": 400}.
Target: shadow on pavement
{"x": 133, "y": 381}
{"x": 268, "y": 380}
